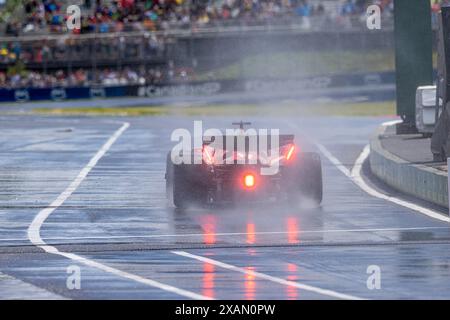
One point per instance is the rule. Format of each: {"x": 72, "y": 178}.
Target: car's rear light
{"x": 249, "y": 180}
{"x": 290, "y": 152}
{"x": 208, "y": 155}
{"x": 286, "y": 154}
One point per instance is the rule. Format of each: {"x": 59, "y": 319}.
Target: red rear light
{"x": 290, "y": 152}
{"x": 208, "y": 155}
{"x": 249, "y": 180}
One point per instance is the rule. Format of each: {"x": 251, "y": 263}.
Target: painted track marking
{"x": 238, "y": 233}
{"x": 325, "y": 292}
{"x": 355, "y": 176}
{"x": 34, "y": 230}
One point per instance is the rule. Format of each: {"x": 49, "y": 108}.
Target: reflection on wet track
{"x": 118, "y": 217}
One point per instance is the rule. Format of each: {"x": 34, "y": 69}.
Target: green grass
{"x": 102, "y": 111}
{"x": 304, "y": 64}
{"x": 292, "y": 109}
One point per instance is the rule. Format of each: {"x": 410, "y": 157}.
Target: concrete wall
{"x": 414, "y": 179}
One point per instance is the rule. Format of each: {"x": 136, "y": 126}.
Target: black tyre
{"x": 311, "y": 178}
{"x": 180, "y": 190}
{"x": 183, "y": 193}
{"x": 169, "y": 180}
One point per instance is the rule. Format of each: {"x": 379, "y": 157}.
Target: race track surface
{"x": 116, "y": 227}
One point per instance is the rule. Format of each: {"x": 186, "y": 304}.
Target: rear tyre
{"x": 311, "y": 178}
{"x": 181, "y": 190}
{"x": 169, "y": 180}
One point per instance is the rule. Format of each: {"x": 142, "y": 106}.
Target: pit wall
{"x": 417, "y": 180}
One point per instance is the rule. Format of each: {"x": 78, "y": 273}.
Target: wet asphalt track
{"x": 118, "y": 217}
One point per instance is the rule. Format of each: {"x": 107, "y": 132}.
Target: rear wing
{"x": 284, "y": 139}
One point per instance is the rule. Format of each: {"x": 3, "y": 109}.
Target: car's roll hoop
{"x": 241, "y": 124}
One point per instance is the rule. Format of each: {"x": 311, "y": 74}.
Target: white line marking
{"x": 355, "y": 176}
{"x": 267, "y": 277}
{"x": 333, "y": 160}
{"x": 235, "y": 234}
{"x": 391, "y": 123}
{"x": 34, "y": 230}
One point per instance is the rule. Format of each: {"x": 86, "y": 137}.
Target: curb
{"x": 417, "y": 180}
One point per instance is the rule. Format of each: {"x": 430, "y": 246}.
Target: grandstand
{"x": 48, "y": 16}
{"x": 130, "y": 42}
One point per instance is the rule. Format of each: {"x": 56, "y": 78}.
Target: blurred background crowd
{"x": 37, "y": 50}
{"x": 81, "y": 77}
{"x": 103, "y": 16}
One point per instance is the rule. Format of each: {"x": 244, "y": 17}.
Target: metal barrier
{"x": 196, "y": 88}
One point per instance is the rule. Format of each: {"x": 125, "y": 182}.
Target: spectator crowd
{"x": 105, "y": 16}
{"x": 81, "y": 77}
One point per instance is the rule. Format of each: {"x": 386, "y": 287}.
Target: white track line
{"x": 342, "y": 168}
{"x": 223, "y": 234}
{"x": 267, "y": 277}
{"x": 355, "y": 176}
{"x": 34, "y": 230}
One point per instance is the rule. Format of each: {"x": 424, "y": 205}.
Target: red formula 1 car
{"x": 233, "y": 176}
